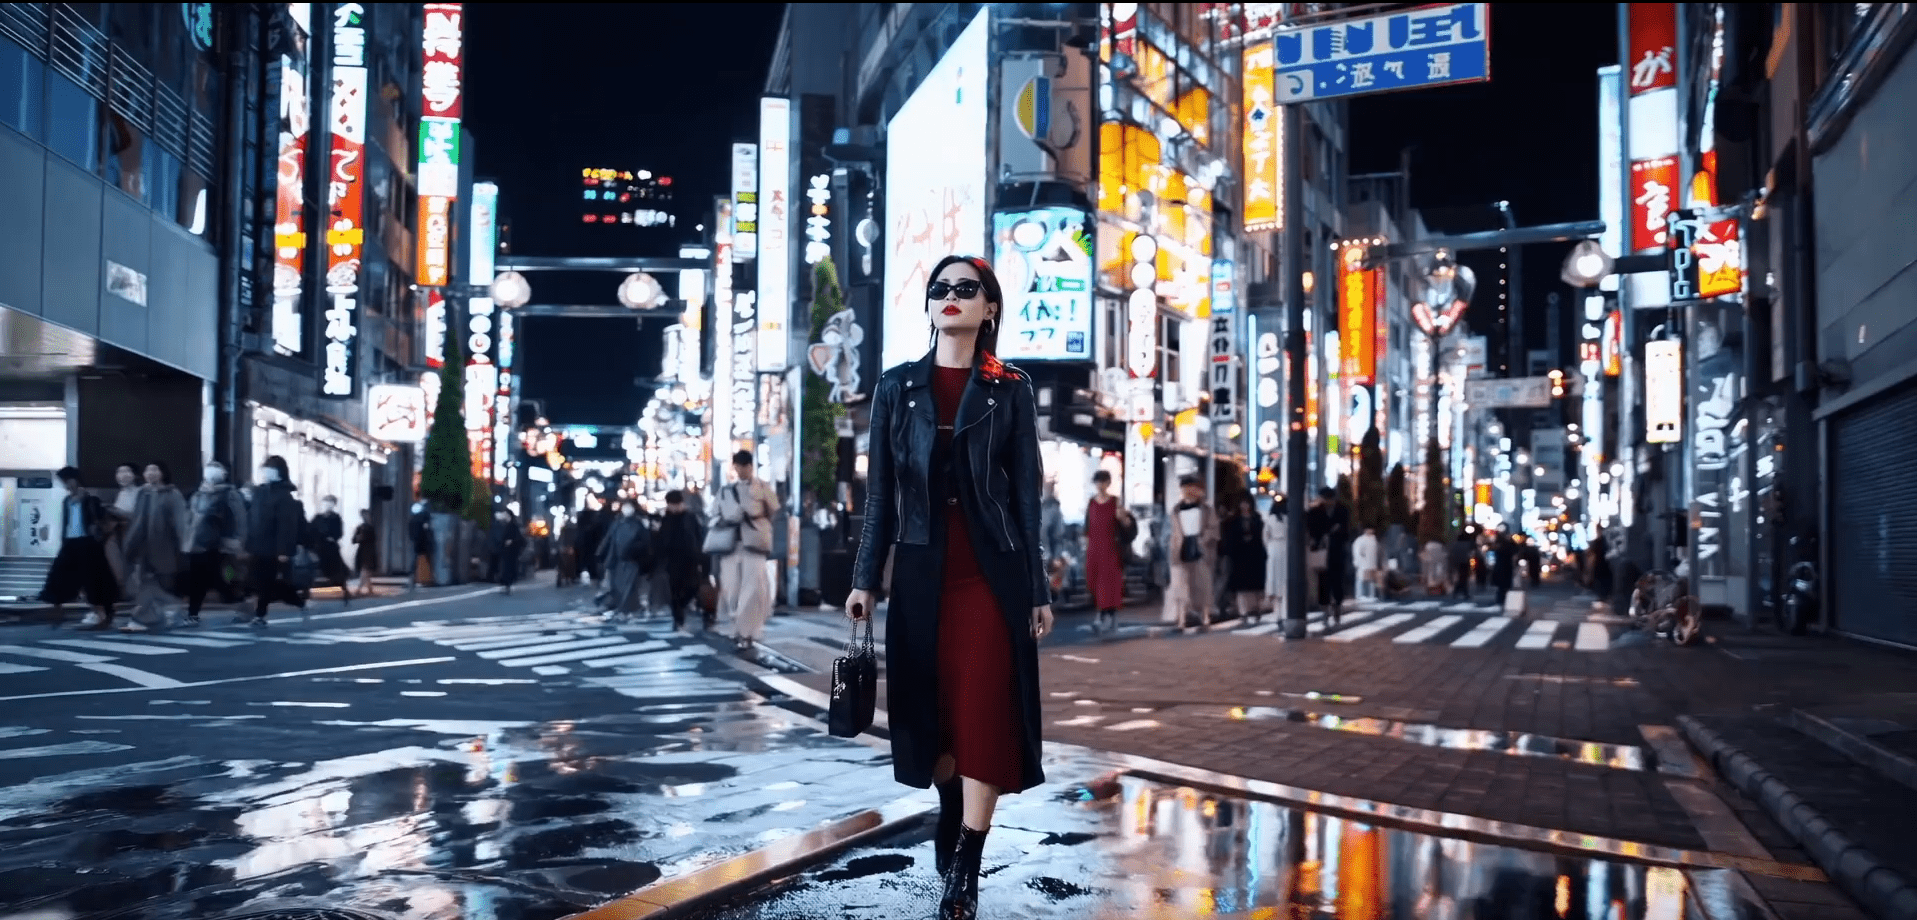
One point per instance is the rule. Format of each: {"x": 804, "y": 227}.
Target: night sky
{"x": 553, "y": 88}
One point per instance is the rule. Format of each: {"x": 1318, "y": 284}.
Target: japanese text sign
{"x": 345, "y": 233}
{"x": 1358, "y": 290}
{"x": 1428, "y": 46}
{"x": 1044, "y": 260}
{"x": 441, "y": 77}
{"x": 1653, "y": 195}
{"x": 1652, "y": 57}
{"x": 1264, "y": 184}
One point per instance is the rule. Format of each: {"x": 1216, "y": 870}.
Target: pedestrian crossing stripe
{"x": 1404, "y": 628}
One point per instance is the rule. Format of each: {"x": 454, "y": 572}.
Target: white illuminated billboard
{"x": 935, "y": 181}
{"x": 1044, "y": 262}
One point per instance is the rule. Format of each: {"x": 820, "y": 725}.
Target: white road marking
{"x": 64, "y": 750}
{"x": 1482, "y": 634}
{"x": 1355, "y": 633}
{"x": 552, "y": 669}
{"x": 476, "y": 645}
{"x": 194, "y": 641}
{"x": 522, "y": 651}
{"x": 127, "y": 647}
{"x": 241, "y": 680}
{"x": 6, "y": 668}
{"x": 1133, "y": 725}
{"x": 1593, "y": 637}
{"x": 645, "y": 652}
{"x": 146, "y": 679}
{"x": 1434, "y": 627}
{"x": 1538, "y": 634}
{"x": 624, "y": 648}
{"x": 52, "y": 653}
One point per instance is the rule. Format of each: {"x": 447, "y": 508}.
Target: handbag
{"x": 855, "y": 685}
{"x": 302, "y": 570}
{"x": 1190, "y": 550}
{"x": 708, "y": 597}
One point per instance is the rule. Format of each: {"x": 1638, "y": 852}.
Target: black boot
{"x": 951, "y": 809}
{"x": 960, "y": 898}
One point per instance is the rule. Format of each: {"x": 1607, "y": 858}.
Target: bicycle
{"x": 1661, "y": 604}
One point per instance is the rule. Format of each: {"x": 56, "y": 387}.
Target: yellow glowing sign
{"x": 1264, "y": 186}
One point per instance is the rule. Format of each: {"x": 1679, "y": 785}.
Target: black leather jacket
{"x": 996, "y": 434}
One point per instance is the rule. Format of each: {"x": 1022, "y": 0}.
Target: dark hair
{"x": 166, "y": 475}
{"x": 135, "y": 468}
{"x": 1102, "y": 476}
{"x": 1188, "y": 480}
{"x": 70, "y": 473}
{"x": 1328, "y": 494}
{"x": 675, "y": 497}
{"x": 742, "y": 458}
{"x": 987, "y": 343}
{"x": 279, "y": 463}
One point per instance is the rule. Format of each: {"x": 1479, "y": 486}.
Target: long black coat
{"x": 996, "y": 478}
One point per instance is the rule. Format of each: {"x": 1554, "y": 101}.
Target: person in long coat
{"x": 624, "y": 556}
{"x": 1277, "y": 542}
{"x": 365, "y": 551}
{"x": 155, "y": 540}
{"x": 953, "y": 484}
{"x": 1242, "y": 542}
{"x": 119, "y": 514}
{"x": 1106, "y": 522}
{"x": 681, "y": 557}
{"x": 275, "y": 523}
{"x": 1193, "y": 560}
{"x": 508, "y": 544}
{"x": 328, "y": 529}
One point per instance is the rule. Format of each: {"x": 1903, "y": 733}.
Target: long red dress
{"x": 978, "y": 715}
{"x": 1104, "y": 572}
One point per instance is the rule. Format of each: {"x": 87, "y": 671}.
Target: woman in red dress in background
{"x": 1106, "y": 522}
{"x": 953, "y": 480}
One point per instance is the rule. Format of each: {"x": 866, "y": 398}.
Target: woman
{"x": 1106, "y": 546}
{"x": 365, "y": 551}
{"x": 508, "y": 544}
{"x": 1193, "y": 550}
{"x": 328, "y": 529}
{"x": 1277, "y": 533}
{"x": 155, "y": 537}
{"x": 1243, "y": 543}
{"x": 953, "y": 486}
{"x": 625, "y": 554}
{"x": 119, "y": 514}
{"x": 274, "y": 524}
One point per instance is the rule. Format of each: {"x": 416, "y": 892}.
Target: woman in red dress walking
{"x": 952, "y": 495}
{"x": 1106, "y": 522}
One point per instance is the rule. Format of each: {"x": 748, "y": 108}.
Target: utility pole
{"x": 1292, "y": 265}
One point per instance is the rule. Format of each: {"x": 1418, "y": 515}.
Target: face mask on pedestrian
{"x": 628, "y": 511}
{"x": 269, "y": 474}
{"x": 214, "y": 474}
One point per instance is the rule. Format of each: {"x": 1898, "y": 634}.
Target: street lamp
{"x": 511, "y": 290}
{"x": 640, "y": 291}
{"x": 1587, "y": 265}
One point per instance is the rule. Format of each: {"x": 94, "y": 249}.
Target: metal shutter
{"x": 1873, "y": 543}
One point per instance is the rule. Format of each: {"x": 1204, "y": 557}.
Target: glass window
{"x": 23, "y": 87}
{"x": 162, "y": 179}
{"x": 131, "y": 26}
{"x": 73, "y": 122}
{"x": 193, "y": 202}
{"x": 126, "y": 146}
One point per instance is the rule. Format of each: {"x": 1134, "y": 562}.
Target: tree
{"x": 446, "y": 473}
{"x": 1434, "y": 518}
{"x": 479, "y": 506}
{"x": 819, "y": 416}
{"x": 1371, "y": 510}
{"x": 1397, "y": 498}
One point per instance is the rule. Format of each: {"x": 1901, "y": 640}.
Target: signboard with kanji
{"x": 1410, "y": 49}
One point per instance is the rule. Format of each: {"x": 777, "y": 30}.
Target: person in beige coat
{"x": 1192, "y": 554}
{"x": 155, "y": 541}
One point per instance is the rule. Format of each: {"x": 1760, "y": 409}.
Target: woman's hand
{"x": 1041, "y": 621}
{"x": 858, "y": 604}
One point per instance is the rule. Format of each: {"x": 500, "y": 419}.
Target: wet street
{"x": 516, "y": 758}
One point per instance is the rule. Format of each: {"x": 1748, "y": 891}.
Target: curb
{"x": 1875, "y": 885}
{"x": 682, "y": 894}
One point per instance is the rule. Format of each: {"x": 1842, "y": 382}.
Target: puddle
{"x": 1149, "y": 849}
{"x": 1616, "y": 756}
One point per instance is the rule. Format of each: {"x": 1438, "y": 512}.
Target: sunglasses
{"x": 966, "y": 290}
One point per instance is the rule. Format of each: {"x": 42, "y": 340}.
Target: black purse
{"x": 855, "y": 685}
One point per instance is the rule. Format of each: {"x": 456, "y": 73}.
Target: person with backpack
{"x": 275, "y": 526}
{"x": 217, "y": 529}
{"x": 1109, "y": 532}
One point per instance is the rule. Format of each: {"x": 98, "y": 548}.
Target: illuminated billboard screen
{"x": 628, "y": 197}
{"x": 935, "y": 203}
{"x": 1044, "y": 262}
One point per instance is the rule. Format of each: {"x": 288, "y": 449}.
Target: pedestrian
{"x": 274, "y": 525}
{"x": 1464, "y": 551}
{"x": 155, "y": 538}
{"x": 508, "y": 544}
{"x": 365, "y": 551}
{"x": 625, "y": 556}
{"x": 1193, "y": 552}
{"x": 953, "y": 485}
{"x": 419, "y": 528}
{"x": 593, "y": 524}
{"x": 567, "y": 571}
{"x": 1277, "y": 542}
{"x": 1434, "y": 561}
{"x": 1503, "y": 566}
{"x": 1364, "y": 558}
{"x": 1242, "y": 543}
{"x": 1602, "y": 578}
{"x": 1328, "y": 524}
{"x": 126, "y": 477}
{"x": 745, "y": 589}
{"x": 80, "y": 566}
{"x": 1109, "y": 532}
{"x": 681, "y": 558}
{"x": 326, "y": 530}
{"x": 216, "y": 530}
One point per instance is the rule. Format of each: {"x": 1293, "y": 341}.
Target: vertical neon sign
{"x": 442, "y": 91}
{"x": 289, "y": 209}
{"x": 345, "y": 232}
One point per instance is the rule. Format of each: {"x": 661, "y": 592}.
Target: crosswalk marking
{"x": 583, "y": 654}
{"x": 193, "y": 641}
{"x": 1432, "y": 628}
{"x": 1593, "y": 637}
{"x": 1482, "y": 634}
{"x": 1355, "y": 633}
{"x": 1538, "y": 634}
{"x": 522, "y": 651}
{"x": 64, "y": 750}
{"x": 124, "y": 646}
{"x": 8, "y": 668}
{"x": 52, "y": 653}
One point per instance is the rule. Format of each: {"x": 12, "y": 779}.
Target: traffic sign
{"x": 1412, "y": 49}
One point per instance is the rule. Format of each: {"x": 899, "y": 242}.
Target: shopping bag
{"x": 855, "y": 684}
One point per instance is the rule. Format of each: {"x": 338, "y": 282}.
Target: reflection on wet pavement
{"x": 1137, "y": 848}
{"x": 1619, "y": 756}
{"x": 426, "y": 818}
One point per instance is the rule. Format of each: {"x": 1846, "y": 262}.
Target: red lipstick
{"x": 952, "y": 311}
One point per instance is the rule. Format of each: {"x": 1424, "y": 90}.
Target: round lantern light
{"x": 640, "y": 291}
{"x": 511, "y": 290}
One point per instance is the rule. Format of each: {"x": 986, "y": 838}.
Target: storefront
{"x": 325, "y": 458}
{"x": 33, "y": 444}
